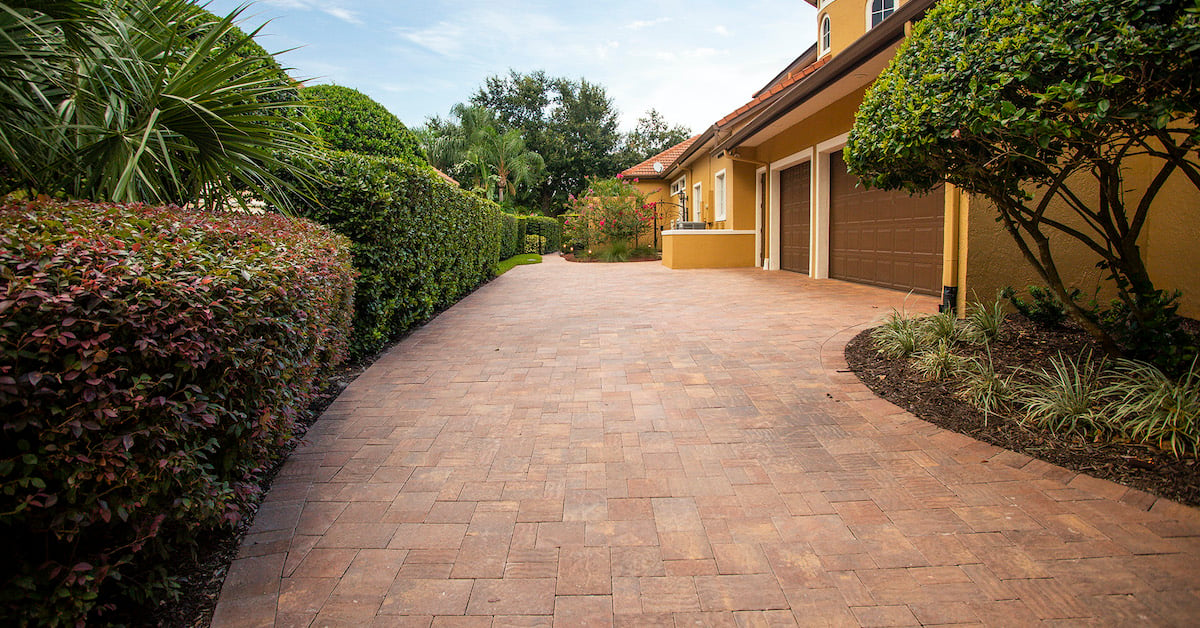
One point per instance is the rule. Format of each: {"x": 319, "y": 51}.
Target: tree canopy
{"x": 349, "y": 120}
{"x": 652, "y": 135}
{"x": 1034, "y": 104}
{"x": 571, "y": 124}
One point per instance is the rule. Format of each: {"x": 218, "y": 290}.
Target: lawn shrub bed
{"x": 154, "y": 360}
{"x": 419, "y": 243}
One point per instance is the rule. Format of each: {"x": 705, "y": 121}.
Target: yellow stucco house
{"x": 766, "y": 187}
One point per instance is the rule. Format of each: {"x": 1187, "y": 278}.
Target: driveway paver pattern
{"x": 620, "y": 444}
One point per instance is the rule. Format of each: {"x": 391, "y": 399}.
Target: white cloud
{"x": 721, "y": 30}
{"x": 638, "y": 25}
{"x": 330, "y": 8}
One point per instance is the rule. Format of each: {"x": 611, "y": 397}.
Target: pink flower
{"x": 601, "y": 223}
{"x": 620, "y": 176}
{"x": 635, "y": 180}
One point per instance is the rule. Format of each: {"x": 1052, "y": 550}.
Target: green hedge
{"x": 550, "y": 229}
{"x": 510, "y": 236}
{"x": 419, "y": 243}
{"x": 154, "y": 360}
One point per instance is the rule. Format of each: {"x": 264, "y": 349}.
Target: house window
{"x": 719, "y": 196}
{"x": 678, "y": 185}
{"x": 878, "y": 11}
{"x": 697, "y": 213}
{"x": 826, "y": 34}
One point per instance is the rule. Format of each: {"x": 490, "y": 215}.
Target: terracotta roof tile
{"x": 666, "y": 158}
{"x": 791, "y": 79}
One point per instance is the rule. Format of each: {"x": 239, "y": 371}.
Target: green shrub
{"x": 984, "y": 321}
{"x": 154, "y": 360}
{"x": 548, "y": 228}
{"x": 982, "y": 387}
{"x": 1148, "y": 406}
{"x": 419, "y": 243}
{"x": 899, "y": 337}
{"x": 534, "y": 244}
{"x": 508, "y": 236}
{"x": 1044, "y": 308}
{"x": 941, "y": 326}
{"x": 614, "y": 252}
{"x": 349, "y": 120}
{"x": 937, "y": 362}
{"x": 1068, "y": 398}
{"x": 1151, "y": 330}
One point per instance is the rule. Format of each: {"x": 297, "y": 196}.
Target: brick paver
{"x": 596, "y": 444}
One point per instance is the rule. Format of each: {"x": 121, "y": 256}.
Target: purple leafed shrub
{"x": 152, "y": 362}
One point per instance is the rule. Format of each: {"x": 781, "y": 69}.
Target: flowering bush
{"x": 610, "y": 211}
{"x": 152, "y": 363}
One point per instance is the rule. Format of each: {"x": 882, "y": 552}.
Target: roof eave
{"x": 863, "y": 49}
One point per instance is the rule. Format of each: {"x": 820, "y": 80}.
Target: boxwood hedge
{"x": 154, "y": 360}
{"x": 419, "y": 243}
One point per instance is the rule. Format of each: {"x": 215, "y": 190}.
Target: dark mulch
{"x": 1025, "y": 344}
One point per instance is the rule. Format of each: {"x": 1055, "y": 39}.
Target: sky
{"x": 693, "y": 61}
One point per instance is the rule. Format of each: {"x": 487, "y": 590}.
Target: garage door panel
{"x": 794, "y": 216}
{"x": 881, "y": 237}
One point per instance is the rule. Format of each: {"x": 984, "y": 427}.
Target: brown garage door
{"x": 793, "y": 218}
{"x": 884, "y": 238}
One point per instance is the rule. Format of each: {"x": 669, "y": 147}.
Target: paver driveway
{"x": 592, "y": 444}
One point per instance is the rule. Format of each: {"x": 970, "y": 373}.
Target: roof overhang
{"x": 856, "y": 66}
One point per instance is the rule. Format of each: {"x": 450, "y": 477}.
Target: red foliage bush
{"x": 153, "y": 362}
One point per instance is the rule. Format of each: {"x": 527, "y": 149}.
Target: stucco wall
{"x": 848, "y": 19}
{"x": 708, "y": 249}
{"x": 1169, "y": 245}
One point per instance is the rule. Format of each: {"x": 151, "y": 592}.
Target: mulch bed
{"x": 1025, "y": 344}
{"x": 570, "y": 257}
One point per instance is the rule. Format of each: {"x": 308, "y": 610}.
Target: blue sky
{"x": 693, "y": 61}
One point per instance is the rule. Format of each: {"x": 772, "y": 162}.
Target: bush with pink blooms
{"x": 609, "y": 212}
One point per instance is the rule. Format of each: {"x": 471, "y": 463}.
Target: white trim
{"x": 697, "y": 206}
{"x": 825, "y": 30}
{"x": 819, "y": 229}
{"x": 678, "y": 185}
{"x": 776, "y": 166}
{"x": 758, "y": 214}
{"x": 708, "y": 232}
{"x": 720, "y": 196}
{"x": 870, "y": 3}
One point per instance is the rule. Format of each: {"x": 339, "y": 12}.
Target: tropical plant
{"x": 899, "y": 337}
{"x": 142, "y": 100}
{"x": 1045, "y": 109}
{"x": 981, "y": 386}
{"x": 1150, "y": 406}
{"x": 937, "y": 362}
{"x": 504, "y": 155}
{"x": 349, "y": 120}
{"x": 984, "y": 320}
{"x": 1069, "y": 397}
{"x": 941, "y": 326}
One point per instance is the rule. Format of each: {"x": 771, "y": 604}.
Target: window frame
{"x": 886, "y": 9}
{"x": 720, "y": 187}
{"x": 826, "y": 33}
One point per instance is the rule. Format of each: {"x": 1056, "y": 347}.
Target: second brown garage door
{"x": 884, "y": 238}
{"x": 793, "y": 218}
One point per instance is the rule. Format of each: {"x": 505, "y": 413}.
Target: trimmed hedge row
{"x": 550, "y": 229}
{"x": 510, "y": 237}
{"x": 419, "y": 243}
{"x": 154, "y": 360}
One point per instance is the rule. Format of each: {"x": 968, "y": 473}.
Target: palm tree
{"x": 141, "y": 100}
{"x": 505, "y": 155}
